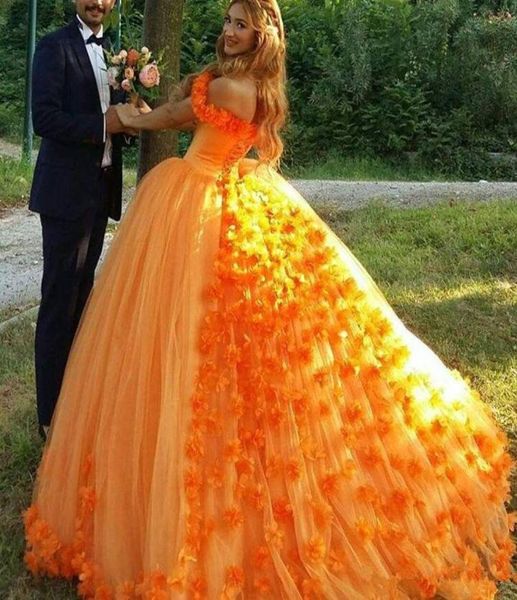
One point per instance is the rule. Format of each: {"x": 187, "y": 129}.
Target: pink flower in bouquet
{"x": 112, "y": 77}
{"x": 149, "y": 76}
{"x": 129, "y": 73}
{"x": 126, "y": 85}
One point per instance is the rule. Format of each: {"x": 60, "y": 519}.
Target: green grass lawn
{"x": 449, "y": 271}
{"x": 15, "y": 182}
{"x": 363, "y": 169}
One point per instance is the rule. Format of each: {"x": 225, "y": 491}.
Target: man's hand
{"x": 115, "y": 125}
{"x": 126, "y": 114}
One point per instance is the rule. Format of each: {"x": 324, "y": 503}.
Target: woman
{"x": 243, "y": 415}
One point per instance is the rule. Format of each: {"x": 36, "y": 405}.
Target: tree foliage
{"x": 381, "y": 77}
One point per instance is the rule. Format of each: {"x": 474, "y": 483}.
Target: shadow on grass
{"x": 472, "y": 330}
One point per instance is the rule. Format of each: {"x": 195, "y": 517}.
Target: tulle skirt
{"x": 244, "y": 416}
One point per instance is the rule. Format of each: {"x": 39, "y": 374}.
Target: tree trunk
{"x": 163, "y": 21}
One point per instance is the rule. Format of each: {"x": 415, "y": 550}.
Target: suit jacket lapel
{"x": 83, "y": 59}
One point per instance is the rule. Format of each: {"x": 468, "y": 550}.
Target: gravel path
{"x": 13, "y": 150}
{"x": 20, "y": 237}
{"x": 402, "y": 194}
{"x": 21, "y": 261}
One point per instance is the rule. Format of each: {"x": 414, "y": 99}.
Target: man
{"x": 77, "y": 183}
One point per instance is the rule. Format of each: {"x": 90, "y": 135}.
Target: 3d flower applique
{"x": 315, "y": 549}
{"x": 233, "y": 517}
{"x": 234, "y": 580}
{"x": 365, "y": 530}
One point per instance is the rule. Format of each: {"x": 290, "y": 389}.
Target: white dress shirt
{"x": 96, "y": 56}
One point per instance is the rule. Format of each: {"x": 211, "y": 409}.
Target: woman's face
{"x": 239, "y": 35}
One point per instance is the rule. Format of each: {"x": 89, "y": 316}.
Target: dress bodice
{"x": 221, "y": 138}
{"x": 210, "y": 149}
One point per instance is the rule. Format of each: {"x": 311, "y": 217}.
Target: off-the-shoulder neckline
{"x": 200, "y": 97}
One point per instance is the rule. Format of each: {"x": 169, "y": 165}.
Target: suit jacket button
{"x": 97, "y": 163}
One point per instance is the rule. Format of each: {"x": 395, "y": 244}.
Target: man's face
{"x": 92, "y": 12}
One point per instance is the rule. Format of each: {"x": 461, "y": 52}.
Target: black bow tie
{"x": 93, "y": 39}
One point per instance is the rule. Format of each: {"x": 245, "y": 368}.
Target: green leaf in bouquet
{"x": 159, "y": 59}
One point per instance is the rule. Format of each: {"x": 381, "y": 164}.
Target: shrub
{"x": 366, "y": 77}
{"x": 483, "y": 66}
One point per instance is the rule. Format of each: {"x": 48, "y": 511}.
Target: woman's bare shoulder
{"x": 239, "y": 96}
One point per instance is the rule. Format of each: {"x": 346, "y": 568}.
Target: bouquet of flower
{"x": 134, "y": 71}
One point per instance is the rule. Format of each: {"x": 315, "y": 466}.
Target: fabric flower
{"x": 316, "y": 549}
{"x": 216, "y": 116}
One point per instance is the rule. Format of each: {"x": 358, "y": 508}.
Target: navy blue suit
{"x": 73, "y": 194}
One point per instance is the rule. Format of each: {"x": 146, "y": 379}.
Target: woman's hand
{"x": 127, "y": 113}
{"x": 166, "y": 116}
{"x": 143, "y": 107}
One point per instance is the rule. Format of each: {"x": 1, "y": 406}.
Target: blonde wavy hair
{"x": 265, "y": 64}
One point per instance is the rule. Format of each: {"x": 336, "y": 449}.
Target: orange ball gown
{"x": 244, "y": 416}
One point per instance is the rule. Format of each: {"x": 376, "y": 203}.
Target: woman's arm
{"x": 171, "y": 115}
{"x": 237, "y": 97}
